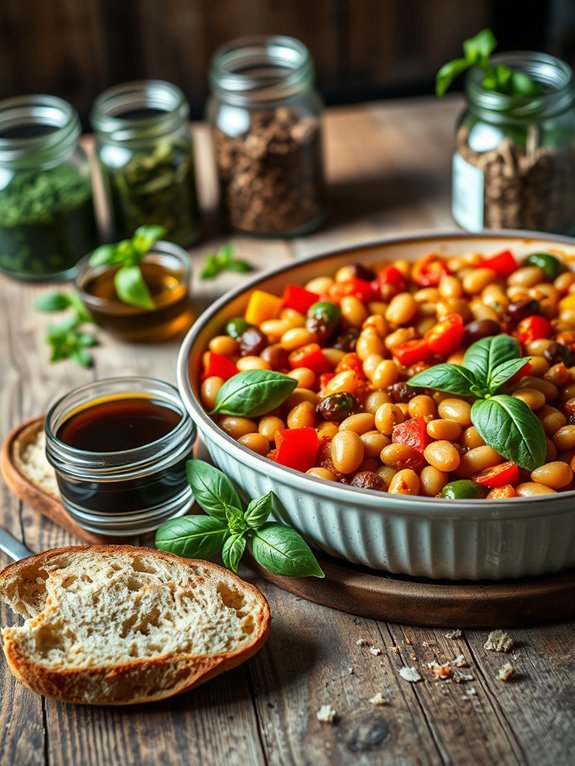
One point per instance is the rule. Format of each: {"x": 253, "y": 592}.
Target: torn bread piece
{"x": 118, "y": 625}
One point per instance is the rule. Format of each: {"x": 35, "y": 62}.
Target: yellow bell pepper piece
{"x": 567, "y": 303}
{"x": 262, "y": 306}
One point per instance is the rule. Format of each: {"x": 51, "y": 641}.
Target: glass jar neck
{"x": 552, "y": 73}
{"x": 139, "y": 112}
{"x": 254, "y": 70}
{"x": 37, "y": 131}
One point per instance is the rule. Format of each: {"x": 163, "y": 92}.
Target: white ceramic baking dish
{"x": 425, "y": 537}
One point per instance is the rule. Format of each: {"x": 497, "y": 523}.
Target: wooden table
{"x": 388, "y": 167}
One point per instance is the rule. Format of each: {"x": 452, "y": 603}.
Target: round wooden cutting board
{"x": 445, "y": 604}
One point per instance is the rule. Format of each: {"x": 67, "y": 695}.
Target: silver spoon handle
{"x": 12, "y": 547}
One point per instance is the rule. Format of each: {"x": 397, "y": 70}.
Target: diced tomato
{"x": 534, "y": 328}
{"x": 411, "y": 352}
{"x": 412, "y": 432}
{"x": 218, "y": 365}
{"x": 446, "y": 336}
{"x": 364, "y": 291}
{"x": 324, "y": 379}
{"x": 500, "y": 493}
{"x": 310, "y": 356}
{"x": 429, "y": 271}
{"x": 351, "y": 362}
{"x": 521, "y": 373}
{"x": 299, "y": 298}
{"x": 503, "y": 264}
{"x": 297, "y": 448}
{"x": 390, "y": 282}
{"x": 498, "y": 475}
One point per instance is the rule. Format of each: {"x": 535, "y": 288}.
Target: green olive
{"x": 236, "y": 327}
{"x": 338, "y": 407}
{"x": 463, "y": 489}
{"x": 550, "y": 264}
{"x": 323, "y": 319}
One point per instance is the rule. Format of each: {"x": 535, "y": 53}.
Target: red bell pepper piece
{"x": 299, "y": 298}
{"x": 218, "y": 365}
{"x": 324, "y": 379}
{"x": 533, "y": 328}
{"x": 445, "y": 336}
{"x": 412, "y": 432}
{"x": 297, "y": 448}
{"x": 351, "y": 362}
{"x": 498, "y": 475}
{"x": 521, "y": 373}
{"x": 503, "y": 264}
{"x": 310, "y": 356}
{"x": 429, "y": 271}
{"x": 390, "y": 282}
{"x": 360, "y": 288}
{"x": 411, "y": 352}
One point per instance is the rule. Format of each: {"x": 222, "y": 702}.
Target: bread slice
{"x": 117, "y": 625}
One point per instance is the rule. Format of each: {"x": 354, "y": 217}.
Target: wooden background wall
{"x": 362, "y": 48}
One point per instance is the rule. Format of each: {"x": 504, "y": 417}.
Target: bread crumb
{"x": 394, "y": 649}
{"x": 506, "y": 672}
{"x": 453, "y": 634}
{"x": 498, "y": 641}
{"x": 407, "y": 642}
{"x": 350, "y": 671}
{"x": 440, "y": 671}
{"x": 326, "y": 714}
{"x": 378, "y": 699}
{"x": 35, "y": 466}
{"x": 460, "y": 662}
{"x": 471, "y": 692}
{"x": 361, "y": 642}
{"x": 375, "y": 651}
{"x": 461, "y": 678}
{"x": 410, "y": 674}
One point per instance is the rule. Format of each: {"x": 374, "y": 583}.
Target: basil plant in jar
{"x": 514, "y": 154}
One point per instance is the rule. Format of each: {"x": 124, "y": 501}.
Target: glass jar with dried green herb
{"x": 145, "y": 155}
{"x": 47, "y": 220}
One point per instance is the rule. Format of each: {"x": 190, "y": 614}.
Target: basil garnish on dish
{"x": 230, "y": 528}
{"x": 505, "y": 423}
{"x": 253, "y": 393}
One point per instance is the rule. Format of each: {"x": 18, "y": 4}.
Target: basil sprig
{"x": 68, "y": 339}
{"x": 253, "y": 393}
{"x": 505, "y": 423}
{"x": 229, "y": 528}
{"x": 129, "y": 282}
{"x": 499, "y": 78}
{"x": 224, "y": 260}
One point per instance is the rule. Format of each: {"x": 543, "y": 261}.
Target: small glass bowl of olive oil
{"x": 167, "y": 271}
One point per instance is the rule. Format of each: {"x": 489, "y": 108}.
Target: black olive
{"x": 358, "y": 271}
{"x": 347, "y": 340}
{"x": 481, "y": 328}
{"x": 252, "y": 342}
{"x": 276, "y": 356}
{"x": 368, "y": 480}
{"x": 400, "y": 392}
{"x": 558, "y": 352}
{"x": 519, "y": 310}
{"x": 338, "y": 407}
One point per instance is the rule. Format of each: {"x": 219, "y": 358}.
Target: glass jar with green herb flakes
{"x": 47, "y": 220}
{"x": 145, "y": 155}
{"x": 514, "y": 158}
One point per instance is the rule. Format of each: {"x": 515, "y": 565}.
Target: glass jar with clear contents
{"x": 145, "y": 156}
{"x": 514, "y": 158}
{"x": 266, "y": 122}
{"x": 47, "y": 220}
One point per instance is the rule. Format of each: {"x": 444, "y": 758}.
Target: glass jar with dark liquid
{"x": 119, "y": 448}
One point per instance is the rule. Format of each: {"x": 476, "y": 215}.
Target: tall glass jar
{"x": 265, "y": 117}
{"x": 145, "y": 155}
{"x": 514, "y": 159}
{"x": 47, "y": 220}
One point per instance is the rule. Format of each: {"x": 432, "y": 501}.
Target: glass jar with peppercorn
{"x": 145, "y": 156}
{"x": 47, "y": 220}
{"x": 265, "y": 116}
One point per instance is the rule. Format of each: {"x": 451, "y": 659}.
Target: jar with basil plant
{"x": 47, "y": 220}
{"x": 145, "y": 157}
{"x": 514, "y": 154}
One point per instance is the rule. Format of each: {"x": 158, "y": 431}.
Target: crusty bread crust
{"x": 140, "y": 680}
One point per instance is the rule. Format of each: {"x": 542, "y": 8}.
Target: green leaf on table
{"x": 232, "y": 552}
{"x": 131, "y": 287}
{"x": 192, "y": 536}
{"x": 82, "y": 357}
{"x": 253, "y": 393}
{"x": 53, "y": 302}
{"x": 211, "y": 267}
{"x": 240, "y": 267}
{"x": 283, "y": 551}
{"x": 504, "y": 371}
{"x": 212, "y": 489}
{"x": 259, "y": 510}
{"x": 512, "y": 429}
{"x": 225, "y": 254}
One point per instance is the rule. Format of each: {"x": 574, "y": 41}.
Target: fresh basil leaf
{"x": 236, "y": 522}
{"x": 131, "y": 287}
{"x": 448, "y": 73}
{"x": 483, "y": 356}
{"x": 232, "y": 552}
{"x": 212, "y": 489}
{"x": 82, "y": 357}
{"x": 86, "y": 339}
{"x": 211, "y": 267}
{"x": 53, "y": 302}
{"x": 283, "y": 551}
{"x": 447, "y": 377}
{"x": 521, "y": 84}
{"x": 105, "y": 255}
{"x": 511, "y": 428}
{"x": 192, "y": 536}
{"x": 80, "y": 308}
{"x": 504, "y": 371}
{"x": 258, "y": 511}
{"x": 478, "y": 48}
{"x": 240, "y": 267}
{"x": 502, "y": 77}
{"x": 253, "y": 393}
{"x": 225, "y": 254}
{"x": 145, "y": 237}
